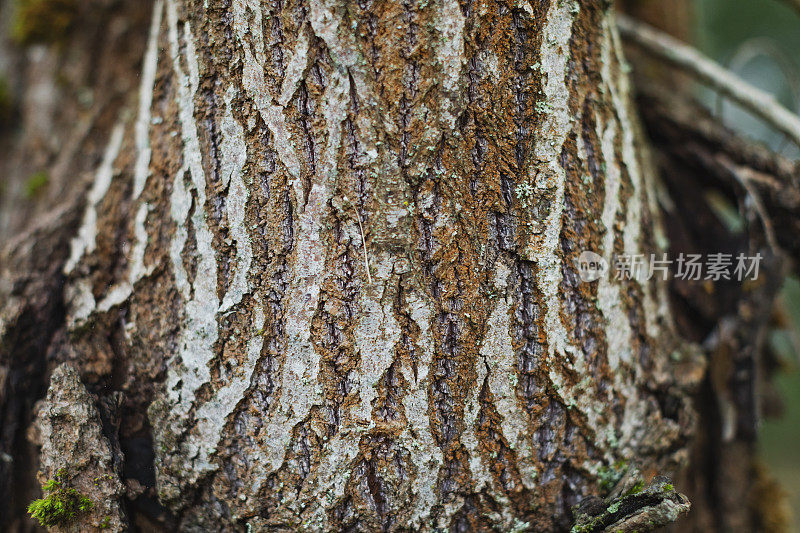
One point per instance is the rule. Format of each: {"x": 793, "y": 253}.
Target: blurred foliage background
{"x": 760, "y": 41}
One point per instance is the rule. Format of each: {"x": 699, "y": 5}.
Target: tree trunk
{"x": 323, "y": 272}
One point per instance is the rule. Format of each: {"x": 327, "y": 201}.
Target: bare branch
{"x": 743, "y": 176}
{"x": 686, "y": 133}
{"x": 688, "y": 59}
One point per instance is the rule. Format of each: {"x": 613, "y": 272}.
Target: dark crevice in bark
{"x": 34, "y": 313}
{"x": 378, "y": 491}
{"x": 305, "y": 115}
{"x": 530, "y": 345}
{"x": 580, "y": 315}
{"x": 333, "y": 328}
{"x": 139, "y": 466}
{"x": 24, "y": 351}
{"x": 189, "y": 252}
{"x": 469, "y": 517}
{"x": 498, "y": 453}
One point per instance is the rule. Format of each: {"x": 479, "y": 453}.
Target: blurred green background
{"x": 760, "y": 41}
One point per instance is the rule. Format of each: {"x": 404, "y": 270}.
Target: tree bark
{"x": 327, "y": 255}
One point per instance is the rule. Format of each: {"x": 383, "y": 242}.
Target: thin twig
{"x": 363, "y": 244}
{"x": 740, "y": 174}
{"x": 706, "y": 70}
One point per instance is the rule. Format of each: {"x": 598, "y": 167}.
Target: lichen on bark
{"x": 468, "y": 380}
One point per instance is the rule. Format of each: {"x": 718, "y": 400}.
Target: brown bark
{"x": 315, "y": 262}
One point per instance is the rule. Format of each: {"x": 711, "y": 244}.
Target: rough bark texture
{"x": 69, "y": 426}
{"x": 327, "y": 255}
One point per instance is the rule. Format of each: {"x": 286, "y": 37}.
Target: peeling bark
{"x": 328, "y": 258}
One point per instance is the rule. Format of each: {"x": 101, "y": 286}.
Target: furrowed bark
{"x": 466, "y": 154}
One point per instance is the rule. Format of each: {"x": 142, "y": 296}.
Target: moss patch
{"x": 640, "y": 509}
{"x": 42, "y": 21}
{"x": 61, "y": 505}
{"x": 636, "y": 489}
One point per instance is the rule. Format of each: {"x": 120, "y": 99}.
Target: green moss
{"x": 36, "y": 183}
{"x": 61, "y": 505}
{"x": 669, "y": 487}
{"x": 42, "y": 21}
{"x": 106, "y": 523}
{"x": 50, "y": 485}
{"x": 636, "y": 489}
{"x": 587, "y": 527}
